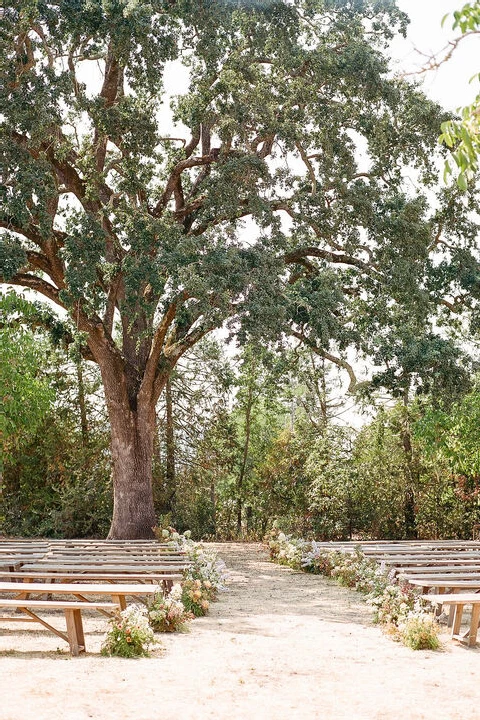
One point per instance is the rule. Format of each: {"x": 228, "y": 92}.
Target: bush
{"x": 420, "y": 632}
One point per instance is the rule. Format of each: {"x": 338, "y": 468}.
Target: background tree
{"x": 137, "y": 232}
{"x": 463, "y": 135}
{"x": 56, "y": 479}
{"x": 26, "y": 395}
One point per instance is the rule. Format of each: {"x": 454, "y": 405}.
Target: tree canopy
{"x": 273, "y": 194}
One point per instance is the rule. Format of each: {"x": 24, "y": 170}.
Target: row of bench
{"x": 74, "y": 576}
{"x": 447, "y": 571}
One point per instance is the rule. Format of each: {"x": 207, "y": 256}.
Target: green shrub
{"x": 420, "y": 632}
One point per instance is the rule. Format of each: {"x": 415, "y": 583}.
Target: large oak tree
{"x": 278, "y": 201}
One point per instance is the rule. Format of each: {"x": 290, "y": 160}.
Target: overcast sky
{"x": 449, "y": 85}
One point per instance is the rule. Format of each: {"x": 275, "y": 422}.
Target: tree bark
{"x": 170, "y": 447}
{"x": 243, "y": 467}
{"x": 131, "y": 411}
{"x": 132, "y": 454}
{"x": 412, "y": 479}
{"x": 82, "y": 404}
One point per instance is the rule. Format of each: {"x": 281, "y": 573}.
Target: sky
{"x": 449, "y": 85}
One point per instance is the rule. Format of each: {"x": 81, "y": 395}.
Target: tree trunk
{"x": 132, "y": 454}
{"x": 412, "y": 479}
{"x": 170, "y": 448}
{"x": 243, "y": 467}
{"x": 82, "y": 404}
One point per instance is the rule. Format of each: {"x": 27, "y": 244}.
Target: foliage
{"x": 130, "y": 634}
{"x": 26, "y": 395}
{"x": 463, "y": 136}
{"x": 56, "y": 487}
{"x": 420, "y": 632}
{"x": 448, "y": 438}
{"x": 56, "y": 473}
{"x": 167, "y": 613}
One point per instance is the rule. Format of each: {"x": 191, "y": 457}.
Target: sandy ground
{"x": 278, "y": 645}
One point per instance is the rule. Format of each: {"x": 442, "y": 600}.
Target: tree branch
{"x": 339, "y": 362}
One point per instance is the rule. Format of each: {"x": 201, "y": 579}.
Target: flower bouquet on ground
{"x": 130, "y": 634}
{"x": 195, "y": 597}
{"x": 167, "y": 613}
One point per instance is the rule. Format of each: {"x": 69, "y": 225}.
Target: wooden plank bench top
{"x": 445, "y": 582}
{"x": 56, "y": 604}
{"x": 90, "y": 589}
{"x": 105, "y": 568}
{"x": 116, "y": 591}
{"x": 453, "y": 598}
{"x": 422, "y": 561}
{"x": 458, "y": 601}
{"x": 88, "y": 559}
{"x": 73, "y": 617}
{"x": 166, "y": 578}
{"x": 460, "y": 574}
{"x": 438, "y": 569}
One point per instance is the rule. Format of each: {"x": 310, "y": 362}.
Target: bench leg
{"x": 472, "y": 638}
{"x": 120, "y": 600}
{"x": 76, "y": 638}
{"x": 457, "y": 621}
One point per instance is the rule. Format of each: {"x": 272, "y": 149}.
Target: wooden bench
{"x": 73, "y": 616}
{"x": 72, "y": 608}
{"x": 458, "y": 601}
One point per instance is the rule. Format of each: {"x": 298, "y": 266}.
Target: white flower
{"x": 176, "y": 592}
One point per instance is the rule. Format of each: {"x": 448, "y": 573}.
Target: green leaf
{"x": 462, "y": 181}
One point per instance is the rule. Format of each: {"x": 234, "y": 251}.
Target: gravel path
{"x": 279, "y": 645}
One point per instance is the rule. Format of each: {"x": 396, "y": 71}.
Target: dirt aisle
{"x": 279, "y": 645}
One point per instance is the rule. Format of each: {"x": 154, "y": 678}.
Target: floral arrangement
{"x": 170, "y": 536}
{"x": 195, "y": 597}
{"x": 206, "y": 575}
{"x": 167, "y": 613}
{"x": 398, "y": 607}
{"x": 130, "y": 634}
{"x": 206, "y": 567}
